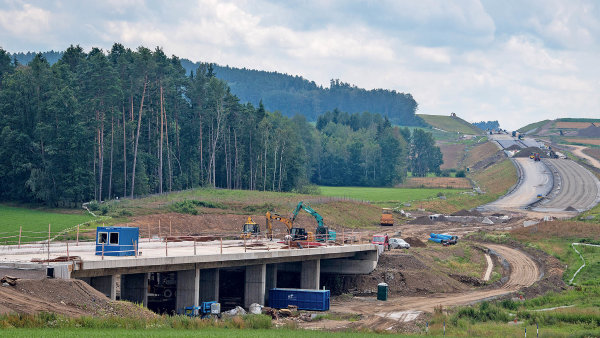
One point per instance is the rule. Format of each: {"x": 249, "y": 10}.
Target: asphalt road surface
{"x": 535, "y": 179}
{"x": 577, "y": 187}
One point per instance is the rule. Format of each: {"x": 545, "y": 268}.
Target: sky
{"x": 516, "y": 61}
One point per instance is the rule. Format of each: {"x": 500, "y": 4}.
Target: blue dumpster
{"x": 304, "y": 299}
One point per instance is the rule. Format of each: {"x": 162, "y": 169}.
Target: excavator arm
{"x": 322, "y": 233}
{"x": 309, "y": 210}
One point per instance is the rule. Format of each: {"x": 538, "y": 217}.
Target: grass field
{"x": 36, "y": 220}
{"x": 451, "y": 124}
{"x": 494, "y": 181}
{"x": 377, "y": 195}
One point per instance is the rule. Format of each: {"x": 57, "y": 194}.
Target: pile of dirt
{"x": 513, "y": 147}
{"x": 414, "y": 242}
{"x": 464, "y": 212}
{"x": 423, "y": 220}
{"x": 526, "y": 152}
{"x": 591, "y": 131}
{"x": 570, "y": 208}
{"x": 405, "y": 275}
{"x": 69, "y": 297}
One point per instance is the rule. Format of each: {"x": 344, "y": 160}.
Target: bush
{"x": 485, "y": 312}
{"x": 104, "y": 209}
{"x": 509, "y": 304}
{"x": 445, "y": 173}
{"x": 262, "y": 208}
{"x": 185, "y": 207}
{"x": 460, "y": 173}
{"x": 93, "y": 205}
{"x": 257, "y": 321}
{"x": 124, "y": 212}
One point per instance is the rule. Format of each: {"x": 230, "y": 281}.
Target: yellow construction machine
{"x": 250, "y": 229}
{"x": 297, "y": 234}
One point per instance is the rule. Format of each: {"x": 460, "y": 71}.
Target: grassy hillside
{"x": 378, "y": 195}
{"x": 532, "y": 126}
{"x": 35, "y": 220}
{"x": 451, "y": 124}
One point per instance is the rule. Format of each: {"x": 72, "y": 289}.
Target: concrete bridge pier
{"x": 134, "y": 288}
{"x": 271, "y": 280}
{"x": 188, "y": 289}
{"x": 254, "y": 285}
{"x": 209, "y": 285}
{"x": 310, "y": 274}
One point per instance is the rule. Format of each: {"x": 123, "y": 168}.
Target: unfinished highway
{"x": 563, "y": 184}
{"x": 575, "y": 187}
{"x": 534, "y": 178}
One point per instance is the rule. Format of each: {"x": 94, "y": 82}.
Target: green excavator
{"x": 322, "y": 232}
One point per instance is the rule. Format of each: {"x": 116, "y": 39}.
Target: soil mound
{"x": 591, "y": 131}
{"x": 513, "y": 147}
{"x": 464, "y": 212}
{"x": 570, "y": 208}
{"x": 527, "y": 151}
{"x": 70, "y": 297}
{"x": 423, "y": 220}
{"x": 414, "y": 242}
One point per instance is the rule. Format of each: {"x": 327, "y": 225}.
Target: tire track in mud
{"x": 379, "y": 315}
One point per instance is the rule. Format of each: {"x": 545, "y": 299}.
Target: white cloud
{"x": 25, "y": 20}
{"x": 514, "y": 61}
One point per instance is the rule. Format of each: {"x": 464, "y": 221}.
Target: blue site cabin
{"x": 117, "y": 241}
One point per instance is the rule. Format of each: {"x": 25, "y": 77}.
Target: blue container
{"x": 304, "y": 299}
{"x": 117, "y": 241}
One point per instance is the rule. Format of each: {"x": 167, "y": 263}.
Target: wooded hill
{"x": 293, "y": 95}
{"x": 128, "y": 123}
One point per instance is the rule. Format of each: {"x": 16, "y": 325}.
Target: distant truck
{"x": 382, "y": 240}
{"x": 387, "y": 218}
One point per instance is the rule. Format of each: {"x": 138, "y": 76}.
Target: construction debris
{"x": 57, "y": 259}
{"x": 12, "y": 281}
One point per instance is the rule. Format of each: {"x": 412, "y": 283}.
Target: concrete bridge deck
{"x": 197, "y": 266}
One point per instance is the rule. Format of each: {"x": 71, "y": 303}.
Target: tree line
{"x": 126, "y": 123}
{"x": 296, "y": 95}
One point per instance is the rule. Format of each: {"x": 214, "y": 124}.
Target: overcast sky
{"x": 514, "y": 61}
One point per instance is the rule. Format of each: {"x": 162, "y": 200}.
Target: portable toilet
{"x": 117, "y": 241}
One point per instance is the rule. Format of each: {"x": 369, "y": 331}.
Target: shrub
{"x": 104, "y": 209}
{"x": 185, "y": 207}
{"x": 93, "y": 205}
{"x": 257, "y": 321}
{"x": 509, "y": 304}
{"x": 460, "y": 173}
{"x": 262, "y": 208}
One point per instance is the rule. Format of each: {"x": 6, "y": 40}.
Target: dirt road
{"x": 578, "y": 151}
{"x": 577, "y": 187}
{"x": 382, "y": 315}
{"x": 535, "y": 179}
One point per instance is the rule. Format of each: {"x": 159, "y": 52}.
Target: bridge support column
{"x": 271, "y": 280}
{"x": 188, "y": 289}
{"x": 209, "y": 285}
{"x": 105, "y": 284}
{"x": 134, "y": 288}
{"x": 254, "y": 286}
{"x": 310, "y": 275}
